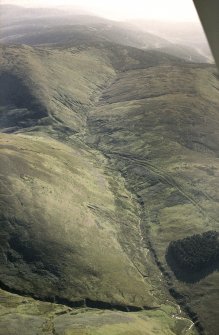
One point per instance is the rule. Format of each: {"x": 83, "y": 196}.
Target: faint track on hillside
{"x": 168, "y": 179}
{"x": 181, "y": 301}
{"x": 146, "y": 239}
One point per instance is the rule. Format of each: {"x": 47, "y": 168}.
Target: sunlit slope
{"x": 109, "y": 156}
{"x": 159, "y": 127}
{"x": 62, "y": 229}
{"x": 68, "y": 223}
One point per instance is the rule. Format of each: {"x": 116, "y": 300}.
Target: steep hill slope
{"x": 107, "y": 156}
{"x": 159, "y": 128}
{"x": 70, "y": 229}
{"x": 56, "y": 207}
{"x": 46, "y": 210}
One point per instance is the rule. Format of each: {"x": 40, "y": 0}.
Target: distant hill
{"x": 58, "y": 26}
{"x": 13, "y": 13}
{"x": 186, "y": 34}
{"x": 45, "y": 26}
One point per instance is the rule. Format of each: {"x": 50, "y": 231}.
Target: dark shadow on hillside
{"x": 19, "y": 108}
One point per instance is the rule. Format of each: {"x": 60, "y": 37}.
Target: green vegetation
{"x": 56, "y": 207}
{"x": 35, "y": 317}
{"x": 159, "y": 127}
{"x": 111, "y": 154}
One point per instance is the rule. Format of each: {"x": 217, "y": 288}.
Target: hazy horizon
{"x": 168, "y": 10}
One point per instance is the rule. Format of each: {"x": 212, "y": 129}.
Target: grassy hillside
{"x": 45, "y": 318}
{"x": 57, "y": 206}
{"x": 108, "y": 153}
{"x": 67, "y": 198}
{"x": 55, "y": 87}
{"x": 159, "y": 128}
